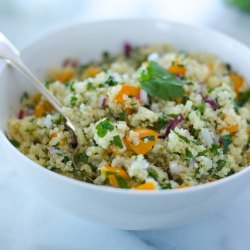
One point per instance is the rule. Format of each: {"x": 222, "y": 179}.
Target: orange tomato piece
{"x": 37, "y": 98}
{"x": 111, "y": 172}
{"x": 238, "y": 82}
{"x": 65, "y": 75}
{"x": 230, "y": 128}
{"x": 39, "y": 111}
{"x": 147, "y": 139}
{"x": 146, "y": 186}
{"x": 53, "y": 135}
{"x": 41, "y": 108}
{"x": 129, "y": 91}
{"x": 177, "y": 70}
{"x": 92, "y": 71}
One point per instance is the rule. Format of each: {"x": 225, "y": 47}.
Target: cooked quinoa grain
{"x": 149, "y": 118}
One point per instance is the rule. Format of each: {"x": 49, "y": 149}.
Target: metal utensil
{"x": 11, "y": 55}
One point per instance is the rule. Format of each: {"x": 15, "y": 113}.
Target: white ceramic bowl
{"x": 124, "y": 209}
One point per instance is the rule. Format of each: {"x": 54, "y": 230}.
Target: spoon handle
{"x": 9, "y": 53}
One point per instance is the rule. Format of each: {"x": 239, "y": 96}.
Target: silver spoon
{"x": 11, "y": 55}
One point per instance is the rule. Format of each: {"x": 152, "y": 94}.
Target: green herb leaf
{"x": 148, "y": 137}
{"x": 90, "y": 86}
{"x": 81, "y": 157}
{"x": 189, "y": 154}
{"x": 226, "y": 140}
{"x": 152, "y": 172}
{"x": 72, "y": 87}
{"x": 243, "y": 98}
{"x": 121, "y": 182}
{"x": 48, "y": 82}
{"x": 15, "y": 143}
{"x": 202, "y": 153}
{"x": 220, "y": 164}
{"x": 183, "y": 138}
{"x": 117, "y": 141}
{"x": 24, "y": 96}
{"x": 73, "y": 100}
{"x": 111, "y": 82}
{"x": 103, "y": 127}
{"x": 156, "y": 81}
{"x": 122, "y": 116}
{"x": 161, "y": 123}
{"x": 165, "y": 185}
{"x": 215, "y": 147}
{"x": 202, "y": 108}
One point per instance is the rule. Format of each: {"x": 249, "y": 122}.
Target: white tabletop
{"x": 28, "y": 221}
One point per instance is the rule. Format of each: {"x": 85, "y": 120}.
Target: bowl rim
{"x": 102, "y": 188}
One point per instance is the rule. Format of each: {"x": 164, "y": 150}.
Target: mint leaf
{"x": 156, "y": 81}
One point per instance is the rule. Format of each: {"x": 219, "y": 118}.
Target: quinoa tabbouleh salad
{"x": 148, "y": 118}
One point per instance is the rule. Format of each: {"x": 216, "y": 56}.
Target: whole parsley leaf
{"x": 103, "y": 127}
{"x": 156, "y": 81}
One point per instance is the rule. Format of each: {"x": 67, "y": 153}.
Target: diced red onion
{"x": 102, "y": 102}
{"x": 171, "y": 125}
{"x": 214, "y": 105}
{"x": 21, "y": 114}
{"x": 127, "y": 48}
{"x": 144, "y": 96}
{"x": 70, "y": 62}
{"x": 74, "y": 141}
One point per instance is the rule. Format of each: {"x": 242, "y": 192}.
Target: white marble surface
{"x": 28, "y": 221}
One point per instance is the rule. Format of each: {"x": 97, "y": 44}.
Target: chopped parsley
{"x": 117, "y": 141}
{"x": 73, "y": 100}
{"x": 48, "y": 82}
{"x": 202, "y": 108}
{"x": 122, "y": 116}
{"x": 220, "y": 164}
{"x": 189, "y": 154}
{"x": 243, "y": 98}
{"x": 226, "y": 140}
{"x": 153, "y": 173}
{"x": 103, "y": 127}
{"x": 72, "y": 87}
{"x": 183, "y": 138}
{"x": 214, "y": 148}
{"x": 121, "y": 181}
{"x": 156, "y": 81}
{"x": 81, "y": 157}
{"x": 24, "y": 96}
{"x": 90, "y": 86}
{"x": 111, "y": 82}
{"x": 15, "y": 143}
